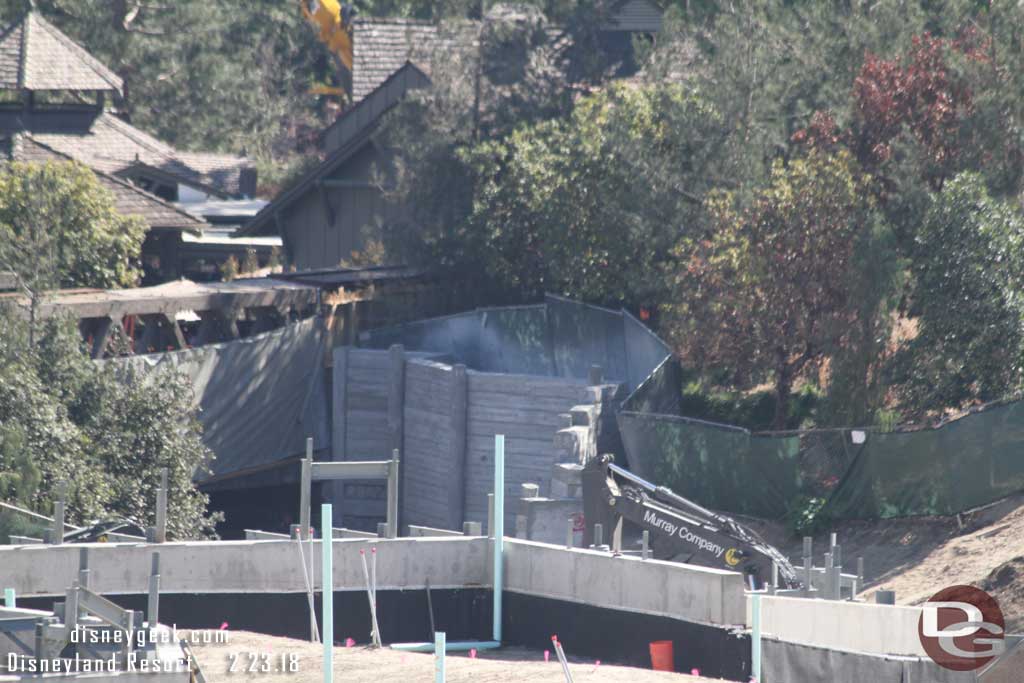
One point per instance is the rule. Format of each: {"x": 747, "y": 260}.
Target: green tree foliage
{"x": 58, "y": 227}
{"x": 591, "y": 206}
{"x": 968, "y": 269}
{"x": 65, "y": 418}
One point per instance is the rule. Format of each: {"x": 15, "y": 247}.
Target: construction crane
{"x": 333, "y": 24}
{"x": 679, "y": 529}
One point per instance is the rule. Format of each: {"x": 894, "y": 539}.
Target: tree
{"x": 488, "y": 78}
{"x": 67, "y": 419}
{"x": 591, "y": 206}
{"x": 768, "y": 292}
{"x": 59, "y": 228}
{"x": 967, "y": 302}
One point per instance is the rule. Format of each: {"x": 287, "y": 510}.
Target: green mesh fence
{"x": 860, "y": 474}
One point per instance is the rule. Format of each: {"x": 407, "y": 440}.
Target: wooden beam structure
{"x": 171, "y": 298}
{"x": 218, "y": 305}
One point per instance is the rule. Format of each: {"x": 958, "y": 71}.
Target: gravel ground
{"x": 388, "y": 666}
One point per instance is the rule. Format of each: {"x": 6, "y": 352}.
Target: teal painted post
{"x": 755, "y": 637}
{"x": 9, "y": 598}
{"x": 327, "y": 545}
{"x": 499, "y": 528}
{"x": 439, "y": 647}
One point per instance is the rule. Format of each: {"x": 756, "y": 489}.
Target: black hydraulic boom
{"x": 679, "y": 529}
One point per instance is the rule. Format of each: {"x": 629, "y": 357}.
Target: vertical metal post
{"x": 83, "y": 567}
{"x": 327, "y": 546}
{"x": 860, "y": 577}
{"x": 439, "y": 647}
{"x": 775, "y": 578}
{"x": 161, "y": 508}
{"x": 9, "y": 598}
{"x": 646, "y": 544}
{"x": 808, "y": 566}
{"x": 499, "y": 529}
{"x": 393, "y": 495}
{"x": 305, "y": 489}
{"x": 490, "y": 515}
{"x": 827, "y": 583}
{"x": 153, "y": 605}
{"x": 598, "y": 536}
{"x": 755, "y": 636}
{"x": 71, "y": 608}
{"x": 57, "y": 531}
{"x": 569, "y": 533}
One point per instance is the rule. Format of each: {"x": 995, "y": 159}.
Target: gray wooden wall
{"x": 528, "y": 410}
{"x": 360, "y": 431}
{"x": 443, "y": 418}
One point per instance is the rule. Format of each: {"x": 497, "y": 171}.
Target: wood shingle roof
{"x": 129, "y": 200}
{"x": 35, "y": 55}
{"x": 106, "y": 143}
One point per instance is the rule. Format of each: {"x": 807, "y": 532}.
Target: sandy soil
{"x": 383, "y": 666}
{"x": 918, "y": 557}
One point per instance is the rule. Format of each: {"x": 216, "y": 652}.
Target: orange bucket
{"x": 662, "y": 656}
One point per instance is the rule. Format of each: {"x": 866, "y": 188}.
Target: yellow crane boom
{"x": 333, "y": 23}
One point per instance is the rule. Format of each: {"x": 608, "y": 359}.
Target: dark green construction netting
{"x": 861, "y": 474}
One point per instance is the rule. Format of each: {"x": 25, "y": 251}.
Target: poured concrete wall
{"x": 696, "y": 594}
{"x": 856, "y": 626}
{"x": 243, "y": 566}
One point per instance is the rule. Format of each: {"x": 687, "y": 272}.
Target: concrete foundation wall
{"x": 695, "y": 594}
{"x": 243, "y": 566}
{"x": 667, "y": 589}
{"x": 861, "y": 627}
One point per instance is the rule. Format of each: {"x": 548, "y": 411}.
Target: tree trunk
{"x": 783, "y": 387}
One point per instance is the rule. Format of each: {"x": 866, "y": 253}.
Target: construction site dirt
{"x": 918, "y": 556}
{"x": 360, "y": 663}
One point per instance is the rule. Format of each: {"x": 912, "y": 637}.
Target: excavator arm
{"x": 333, "y": 23}
{"x": 679, "y": 529}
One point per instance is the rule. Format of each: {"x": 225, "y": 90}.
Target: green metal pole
{"x": 326, "y": 544}
{"x": 9, "y": 598}
{"x": 499, "y": 528}
{"x": 755, "y": 637}
{"x": 439, "y": 648}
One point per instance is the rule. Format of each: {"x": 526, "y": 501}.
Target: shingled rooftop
{"x": 129, "y": 200}
{"x": 35, "y": 56}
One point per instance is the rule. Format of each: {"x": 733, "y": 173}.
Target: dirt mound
{"x": 1006, "y": 584}
{"x": 917, "y": 557}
